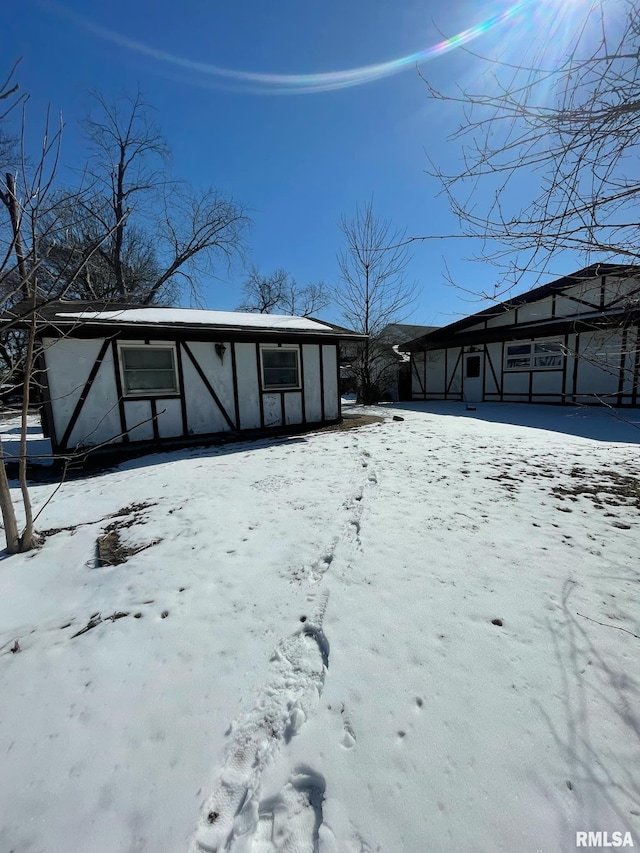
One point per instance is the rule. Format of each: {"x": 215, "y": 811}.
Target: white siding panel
{"x": 293, "y": 407}
{"x": 540, "y": 310}
{"x": 272, "y": 410}
{"x": 248, "y": 387}
{"x": 617, "y": 288}
{"x": 137, "y": 415}
{"x": 330, "y": 380}
{"x": 547, "y": 382}
{"x": 507, "y": 318}
{"x": 311, "y": 358}
{"x": 599, "y": 363}
{"x": 99, "y": 420}
{"x": 515, "y": 383}
{"x": 169, "y": 418}
{"x": 454, "y": 370}
{"x": 494, "y": 355}
{"x": 219, "y": 373}
{"x": 203, "y": 414}
{"x": 69, "y": 364}
{"x": 417, "y": 373}
{"x": 435, "y": 372}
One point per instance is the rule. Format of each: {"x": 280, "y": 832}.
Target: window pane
{"x": 280, "y": 368}
{"x": 473, "y": 366}
{"x": 548, "y": 361}
{"x": 518, "y": 362}
{"x": 280, "y": 358}
{"x": 150, "y": 380}
{"x": 146, "y": 369}
{"x": 147, "y": 357}
{"x": 518, "y": 349}
{"x": 548, "y": 347}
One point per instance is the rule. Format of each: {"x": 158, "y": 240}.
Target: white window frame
{"x": 148, "y": 392}
{"x": 284, "y": 348}
{"x": 532, "y": 357}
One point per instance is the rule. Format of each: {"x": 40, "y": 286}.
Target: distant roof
{"x": 557, "y": 286}
{"x": 401, "y": 333}
{"x": 197, "y": 317}
{"x": 68, "y": 312}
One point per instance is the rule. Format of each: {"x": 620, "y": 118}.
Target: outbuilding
{"x": 121, "y": 375}
{"x": 574, "y": 340}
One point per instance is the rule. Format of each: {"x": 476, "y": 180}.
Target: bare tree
{"x": 374, "y": 292}
{"x": 562, "y": 132}
{"x": 279, "y": 293}
{"x": 156, "y": 233}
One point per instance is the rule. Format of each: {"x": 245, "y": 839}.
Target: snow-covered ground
{"x": 347, "y": 641}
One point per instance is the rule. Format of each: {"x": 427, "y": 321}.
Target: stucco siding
{"x": 293, "y": 407}
{"x": 138, "y": 419}
{"x": 311, "y": 358}
{"x": 99, "y": 419}
{"x": 541, "y": 310}
{"x": 68, "y": 363}
{"x": 272, "y": 410}
{"x": 248, "y": 388}
{"x": 330, "y": 381}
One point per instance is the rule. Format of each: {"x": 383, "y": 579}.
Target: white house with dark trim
{"x": 574, "y": 340}
{"x": 136, "y": 375}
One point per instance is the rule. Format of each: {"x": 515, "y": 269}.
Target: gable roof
{"x": 557, "y": 286}
{"x": 67, "y": 314}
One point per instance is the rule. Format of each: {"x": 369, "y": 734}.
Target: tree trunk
{"x": 8, "y": 511}
{"x": 27, "y": 538}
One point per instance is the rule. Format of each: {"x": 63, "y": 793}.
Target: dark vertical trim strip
{"x": 453, "y": 373}
{"x": 414, "y": 369}
{"x": 602, "y": 291}
{"x": 636, "y": 369}
{"x": 183, "y": 390}
{"x": 234, "y": 376}
{"x": 338, "y": 381}
{"x": 303, "y": 402}
{"x": 116, "y": 371}
{"x": 425, "y": 375}
{"x": 484, "y": 370}
{"x": 623, "y": 358}
{"x": 576, "y": 358}
{"x": 208, "y": 385}
{"x": 493, "y": 372}
{"x": 530, "y": 385}
{"x": 446, "y": 374}
{"x": 46, "y": 398}
{"x": 564, "y": 365}
{"x": 84, "y": 393}
{"x": 553, "y": 307}
{"x": 154, "y": 420}
{"x": 501, "y": 389}
{"x": 260, "y": 388}
{"x": 282, "y": 418}
{"x": 321, "y": 382}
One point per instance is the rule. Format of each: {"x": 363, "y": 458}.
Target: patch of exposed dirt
{"x": 351, "y": 423}
{"x": 604, "y": 488}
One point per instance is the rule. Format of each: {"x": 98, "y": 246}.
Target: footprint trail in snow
{"x": 233, "y": 820}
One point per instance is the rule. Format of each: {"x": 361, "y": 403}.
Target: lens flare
{"x": 299, "y": 83}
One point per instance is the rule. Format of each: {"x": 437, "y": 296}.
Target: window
{"x": 473, "y": 366}
{"x": 280, "y": 368}
{"x": 534, "y": 355}
{"x": 148, "y": 370}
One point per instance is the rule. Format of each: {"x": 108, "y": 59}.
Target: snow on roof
{"x": 195, "y": 316}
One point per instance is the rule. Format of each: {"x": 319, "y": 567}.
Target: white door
{"x": 473, "y": 370}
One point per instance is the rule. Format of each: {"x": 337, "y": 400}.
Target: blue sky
{"x": 299, "y": 161}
